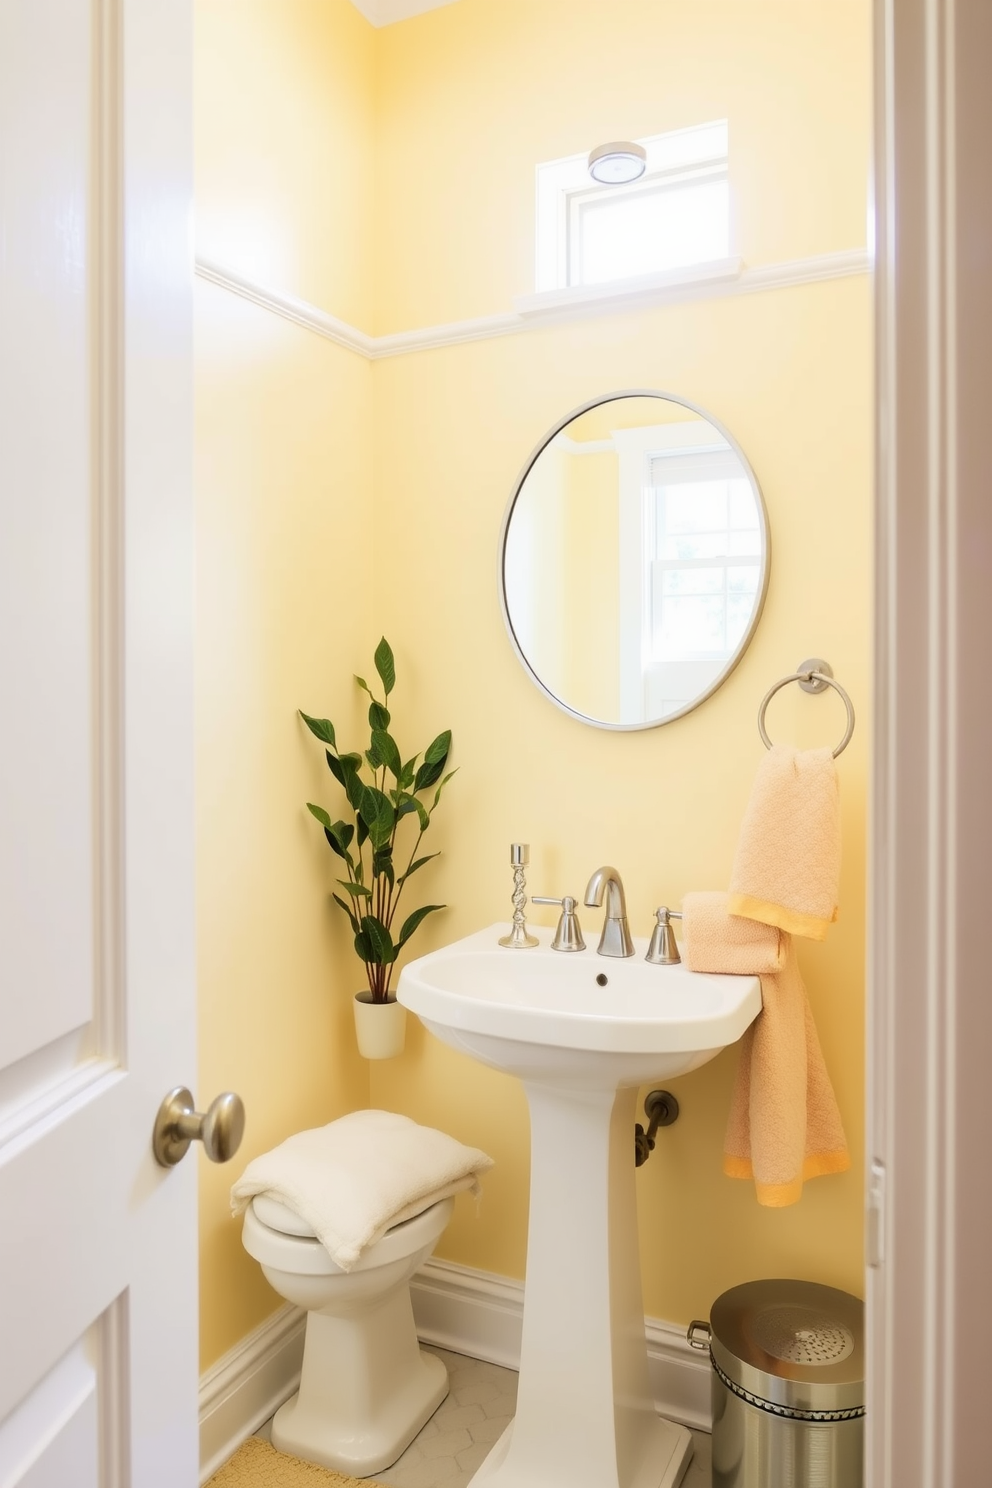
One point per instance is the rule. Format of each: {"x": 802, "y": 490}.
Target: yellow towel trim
{"x": 809, "y": 926}
{"x": 781, "y": 1195}
{"x": 819, "y": 1164}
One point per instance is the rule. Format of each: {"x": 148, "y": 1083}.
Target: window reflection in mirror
{"x": 634, "y": 560}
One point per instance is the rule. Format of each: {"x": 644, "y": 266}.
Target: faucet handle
{"x": 663, "y": 950}
{"x": 568, "y": 935}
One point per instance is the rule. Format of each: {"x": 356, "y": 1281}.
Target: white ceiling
{"x": 384, "y": 12}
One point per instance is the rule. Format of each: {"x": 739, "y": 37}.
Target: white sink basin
{"x": 581, "y": 1030}
{"x": 575, "y": 1017}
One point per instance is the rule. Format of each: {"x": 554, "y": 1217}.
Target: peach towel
{"x": 713, "y": 940}
{"x": 784, "y": 1125}
{"x": 787, "y": 868}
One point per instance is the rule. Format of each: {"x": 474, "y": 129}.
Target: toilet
{"x": 367, "y": 1387}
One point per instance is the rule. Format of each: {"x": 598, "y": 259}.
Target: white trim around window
{"x": 565, "y": 190}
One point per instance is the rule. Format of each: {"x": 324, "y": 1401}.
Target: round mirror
{"x": 634, "y": 560}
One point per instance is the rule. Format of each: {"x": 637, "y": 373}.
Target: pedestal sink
{"x": 582, "y": 1031}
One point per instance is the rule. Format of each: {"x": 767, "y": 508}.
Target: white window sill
{"x": 618, "y": 292}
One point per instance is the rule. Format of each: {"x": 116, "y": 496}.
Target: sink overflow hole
{"x": 602, "y": 979}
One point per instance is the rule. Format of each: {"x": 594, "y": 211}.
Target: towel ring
{"x": 813, "y": 675}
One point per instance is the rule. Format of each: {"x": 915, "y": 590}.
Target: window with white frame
{"x": 676, "y": 214}
{"x": 691, "y": 562}
{"x": 702, "y": 549}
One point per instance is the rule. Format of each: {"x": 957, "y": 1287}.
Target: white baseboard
{"x": 478, "y": 1314}
{"x": 247, "y": 1385}
{"x": 469, "y": 1312}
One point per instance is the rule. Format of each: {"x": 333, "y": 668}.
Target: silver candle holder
{"x": 519, "y": 938}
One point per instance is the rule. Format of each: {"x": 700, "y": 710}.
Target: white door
{"x": 98, "y": 1369}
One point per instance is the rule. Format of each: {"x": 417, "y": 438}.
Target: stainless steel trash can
{"x": 788, "y": 1386}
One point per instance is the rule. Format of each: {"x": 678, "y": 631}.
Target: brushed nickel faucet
{"x": 615, "y": 939}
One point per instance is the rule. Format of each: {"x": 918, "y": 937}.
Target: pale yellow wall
{"x": 789, "y": 374}
{"x": 284, "y": 608}
{"x": 472, "y": 96}
{"x": 283, "y": 425}
{"x": 294, "y": 435}
{"x": 284, "y": 147}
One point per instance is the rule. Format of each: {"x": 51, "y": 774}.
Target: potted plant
{"x": 383, "y": 791}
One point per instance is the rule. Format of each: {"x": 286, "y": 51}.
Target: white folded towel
{"x": 357, "y": 1177}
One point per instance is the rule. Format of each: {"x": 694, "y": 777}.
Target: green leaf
{"x": 404, "y": 804}
{"x": 382, "y": 864}
{"x": 334, "y": 845}
{"x": 418, "y": 864}
{"x": 424, "y": 814}
{"x": 385, "y": 665}
{"x": 363, "y": 684}
{"x": 348, "y": 911}
{"x": 363, "y": 832}
{"x": 428, "y": 774}
{"x": 379, "y": 941}
{"x": 338, "y": 834}
{"x": 322, "y": 727}
{"x": 437, "y": 752}
{"x": 378, "y": 716}
{"x": 411, "y": 924}
{"x": 435, "y": 759}
{"x": 385, "y": 747}
{"x": 376, "y": 810}
{"x": 343, "y": 833}
{"x": 345, "y": 768}
{"x": 437, "y": 793}
{"x": 407, "y": 773}
{"x": 372, "y": 755}
{"x": 362, "y": 947}
{"x": 357, "y": 891}
{"x": 350, "y": 764}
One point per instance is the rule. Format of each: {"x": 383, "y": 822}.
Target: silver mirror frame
{"x": 766, "y": 558}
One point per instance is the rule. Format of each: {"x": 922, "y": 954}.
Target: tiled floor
{"x": 462, "y": 1430}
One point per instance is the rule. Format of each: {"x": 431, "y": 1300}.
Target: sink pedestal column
{"x": 585, "y": 1417}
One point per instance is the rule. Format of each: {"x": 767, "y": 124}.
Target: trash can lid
{"x": 794, "y": 1344}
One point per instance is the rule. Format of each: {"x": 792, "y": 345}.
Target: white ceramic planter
{"x": 380, "y": 1027}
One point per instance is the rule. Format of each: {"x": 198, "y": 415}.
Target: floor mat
{"x": 257, "y": 1464}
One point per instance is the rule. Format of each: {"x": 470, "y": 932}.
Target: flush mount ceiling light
{"x": 617, "y": 162}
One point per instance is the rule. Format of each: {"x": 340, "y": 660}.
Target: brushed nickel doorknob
{"x": 220, "y": 1128}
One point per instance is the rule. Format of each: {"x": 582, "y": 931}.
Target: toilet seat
{"x": 279, "y": 1216}
{"x": 269, "y": 1239}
